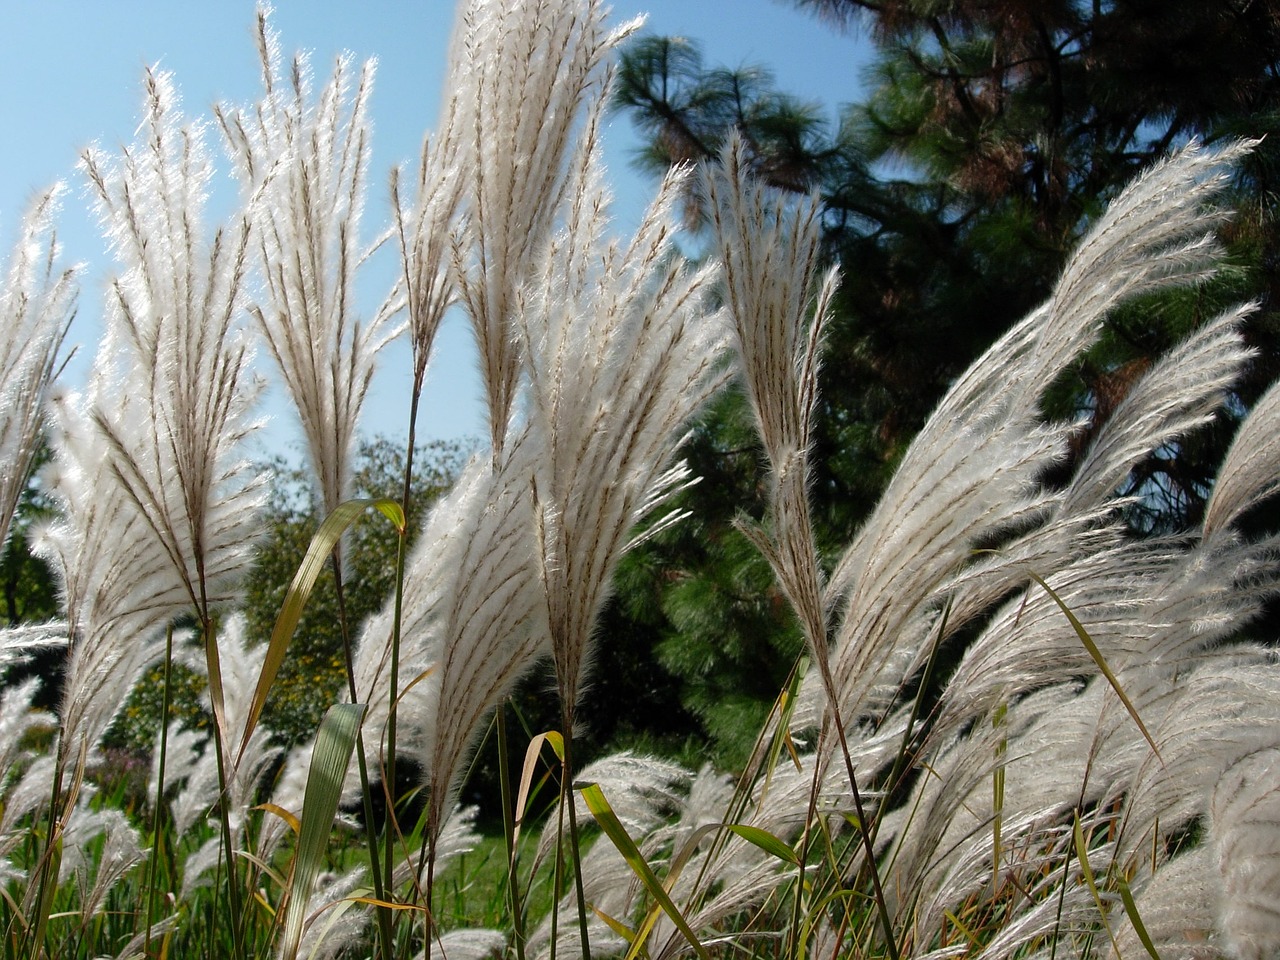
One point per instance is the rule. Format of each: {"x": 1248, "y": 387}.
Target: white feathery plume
{"x": 302, "y": 160}
{"x": 425, "y": 231}
{"x": 22, "y": 799}
{"x": 770, "y": 246}
{"x": 491, "y": 626}
{"x": 723, "y": 879}
{"x": 1152, "y": 607}
{"x": 22, "y": 773}
{"x": 117, "y": 587}
{"x": 611, "y": 889}
{"x": 19, "y": 642}
{"x": 173, "y": 358}
{"x": 1176, "y": 908}
{"x": 1024, "y": 645}
{"x": 1244, "y": 824}
{"x": 1065, "y": 913}
{"x": 473, "y": 619}
{"x": 643, "y": 792}
{"x": 121, "y": 851}
{"x": 1251, "y": 470}
{"x": 1215, "y": 715}
{"x": 170, "y": 394}
{"x": 183, "y": 769}
{"x": 18, "y": 719}
{"x": 621, "y": 348}
{"x": 1181, "y": 391}
{"x": 779, "y": 306}
{"x": 945, "y": 497}
{"x": 1081, "y": 751}
{"x": 628, "y": 338}
{"x": 240, "y": 664}
{"x": 522, "y": 71}
{"x": 471, "y": 944}
{"x": 288, "y": 793}
{"x": 37, "y": 302}
{"x": 329, "y": 932}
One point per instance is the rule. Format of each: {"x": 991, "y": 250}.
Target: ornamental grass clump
{"x": 1018, "y": 729}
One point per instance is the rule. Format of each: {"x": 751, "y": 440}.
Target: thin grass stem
{"x": 157, "y": 818}
{"x": 401, "y": 551}
{"x": 567, "y": 797}
{"x": 385, "y": 930}
{"x": 508, "y": 830}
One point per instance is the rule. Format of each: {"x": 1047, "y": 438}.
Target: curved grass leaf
{"x": 1098, "y": 658}
{"x": 1082, "y": 854}
{"x": 335, "y": 741}
{"x": 617, "y": 926}
{"x": 1131, "y": 908}
{"x": 304, "y": 581}
{"x": 766, "y": 841}
{"x": 293, "y": 823}
{"x": 556, "y": 741}
{"x": 617, "y": 833}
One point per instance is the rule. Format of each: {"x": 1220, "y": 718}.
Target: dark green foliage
{"x": 30, "y": 587}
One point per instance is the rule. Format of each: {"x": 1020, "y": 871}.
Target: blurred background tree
{"x": 30, "y": 587}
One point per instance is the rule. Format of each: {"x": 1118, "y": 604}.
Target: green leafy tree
{"x": 30, "y": 589}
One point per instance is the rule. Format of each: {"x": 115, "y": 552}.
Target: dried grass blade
{"x": 556, "y": 741}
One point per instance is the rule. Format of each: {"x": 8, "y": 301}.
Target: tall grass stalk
{"x": 158, "y": 841}
{"x": 515, "y": 906}
{"x": 389, "y": 774}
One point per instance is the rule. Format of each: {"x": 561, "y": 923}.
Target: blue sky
{"x": 71, "y": 76}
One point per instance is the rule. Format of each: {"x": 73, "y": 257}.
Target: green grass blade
{"x": 766, "y": 841}
{"x": 617, "y": 926}
{"x": 1098, "y": 658}
{"x": 761, "y": 838}
{"x": 49, "y": 888}
{"x": 304, "y": 581}
{"x": 617, "y": 833}
{"x": 1131, "y": 909}
{"x": 335, "y": 741}
{"x": 1082, "y": 854}
{"x": 997, "y": 797}
{"x": 965, "y": 931}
